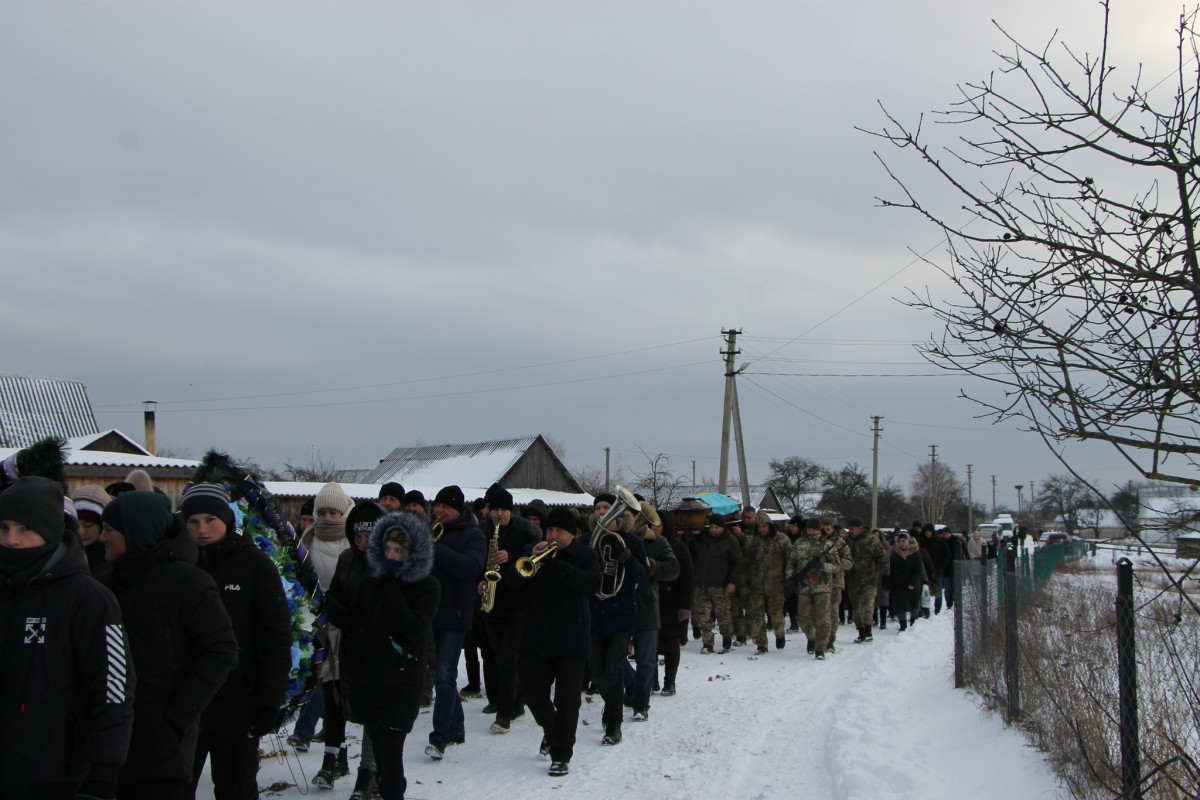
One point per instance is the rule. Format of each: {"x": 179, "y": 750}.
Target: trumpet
{"x": 528, "y": 566}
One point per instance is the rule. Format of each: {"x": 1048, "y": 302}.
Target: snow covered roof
{"x": 32, "y": 408}
{"x": 370, "y": 491}
{"x": 82, "y": 442}
{"x": 478, "y": 464}
{"x": 103, "y": 458}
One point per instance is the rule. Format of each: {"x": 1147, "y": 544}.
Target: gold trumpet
{"x": 528, "y": 566}
{"x": 438, "y": 529}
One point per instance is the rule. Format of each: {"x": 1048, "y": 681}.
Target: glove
{"x": 263, "y": 721}
{"x": 622, "y": 556}
{"x": 684, "y": 614}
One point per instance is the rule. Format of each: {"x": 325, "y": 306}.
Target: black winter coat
{"x": 458, "y": 565}
{"x": 66, "y": 693}
{"x": 183, "y": 648}
{"x": 391, "y": 622}
{"x": 558, "y": 607}
{"x": 253, "y": 596}
{"x": 677, "y": 594}
{"x": 515, "y": 538}
{"x": 906, "y": 570}
{"x": 717, "y": 560}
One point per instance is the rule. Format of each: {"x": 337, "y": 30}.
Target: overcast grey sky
{"x": 337, "y": 228}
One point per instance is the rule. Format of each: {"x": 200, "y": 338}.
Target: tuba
{"x": 612, "y": 572}
{"x": 491, "y": 578}
{"x": 528, "y": 566}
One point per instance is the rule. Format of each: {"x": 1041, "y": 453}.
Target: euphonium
{"x": 528, "y": 566}
{"x": 491, "y": 578}
{"x": 612, "y": 572}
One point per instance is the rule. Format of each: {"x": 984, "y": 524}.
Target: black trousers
{"x": 558, "y": 719}
{"x": 234, "y": 768}
{"x": 152, "y": 790}
{"x": 389, "y": 760}
{"x": 504, "y": 635}
{"x": 608, "y": 673}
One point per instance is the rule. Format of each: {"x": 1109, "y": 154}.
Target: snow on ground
{"x": 880, "y": 720}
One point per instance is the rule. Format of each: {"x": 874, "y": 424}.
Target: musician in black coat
{"x": 556, "y": 638}
{"x": 392, "y": 618}
{"x": 675, "y": 599}
{"x": 248, "y": 704}
{"x": 180, "y": 638}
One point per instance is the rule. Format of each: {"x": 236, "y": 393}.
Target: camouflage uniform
{"x": 843, "y": 562}
{"x": 871, "y": 562}
{"x": 717, "y": 563}
{"x": 764, "y": 564}
{"x": 738, "y": 605}
{"x": 813, "y": 551}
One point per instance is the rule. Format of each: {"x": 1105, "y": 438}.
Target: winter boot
{"x": 612, "y": 734}
{"x": 863, "y": 636}
{"x": 328, "y": 773}
{"x": 299, "y": 743}
{"x": 780, "y": 642}
{"x": 812, "y": 646}
{"x": 364, "y": 785}
{"x": 343, "y": 762}
{"x": 762, "y": 650}
{"x": 668, "y": 690}
{"x": 726, "y": 645}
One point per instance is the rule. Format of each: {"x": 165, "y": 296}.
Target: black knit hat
{"x": 536, "y": 508}
{"x": 362, "y": 517}
{"x": 716, "y": 519}
{"x": 391, "y": 489}
{"x": 562, "y": 518}
{"x": 207, "y": 498}
{"x": 306, "y": 508}
{"x": 451, "y": 496}
{"x": 143, "y": 518}
{"x": 498, "y": 497}
{"x": 605, "y": 497}
{"x": 412, "y": 496}
{"x": 36, "y": 503}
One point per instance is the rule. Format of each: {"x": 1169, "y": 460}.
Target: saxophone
{"x": 491, "y": 578}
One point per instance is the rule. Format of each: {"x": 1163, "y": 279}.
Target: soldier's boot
{"x": 726, "y": 645}
{"x": 863, "y": 635}
{"x": 812, "y": 647}
{"x": 780, "y": 642}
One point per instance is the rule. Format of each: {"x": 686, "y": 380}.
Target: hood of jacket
{"x": 418, "y": 546}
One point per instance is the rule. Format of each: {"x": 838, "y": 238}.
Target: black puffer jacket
{"x": 252, "y": 594}
{"x": 183, "y": 649}
{"x": 392, "y": 621}
{"x": 66, "y": 693}
{"x": 558, "y": 611}
{"x": 515, "y": 538}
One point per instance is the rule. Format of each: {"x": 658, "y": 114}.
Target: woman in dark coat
{"x": 392, "y": 618}
{"x": 907, "y": 577}
{"x": 674, "y": 605}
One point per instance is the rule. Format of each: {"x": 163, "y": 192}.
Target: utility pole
{"x": 606, "y": 455}
{"x": 1019, "y": 487}
{"x": 993, "y": 497}
{"x": 933, "y": 504}
{"x": 1032, "y": 504}
{"x": 875, "y": 473}
{"x": 970, "y": 503}
{"x": 732, "y": 415}
{"x": 693, "y": 474}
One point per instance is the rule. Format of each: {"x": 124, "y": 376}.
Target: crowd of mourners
{"x": 143, "y": 642}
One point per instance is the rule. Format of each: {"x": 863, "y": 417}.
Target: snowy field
{"x": 880, "y": 720}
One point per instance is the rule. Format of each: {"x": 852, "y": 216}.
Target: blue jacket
{"x": 458, "y": 565}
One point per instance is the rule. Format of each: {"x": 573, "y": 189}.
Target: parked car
{"x": 1053, "y": 537}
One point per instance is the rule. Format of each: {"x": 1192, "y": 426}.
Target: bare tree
{"x": 1063, "y": 497}
{"x": 794, "y": 477}
{"x": 934, "y": 490}
{"x": 658, "y": 483}
{"x": 591, "y": 478}
{"x": 315, "y": 468}
{"x": 1073, "y": 245}
{"x": 847, "y": 492}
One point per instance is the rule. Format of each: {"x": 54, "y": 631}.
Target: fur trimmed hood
{"x": 418, "y": 546}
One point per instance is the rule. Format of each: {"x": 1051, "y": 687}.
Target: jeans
{"x": 448, "y": 721}
{"x": 313, "y": 711}
{"x": 639, "y": 681}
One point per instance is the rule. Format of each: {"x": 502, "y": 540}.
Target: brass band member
{"x": 556, "y": 636}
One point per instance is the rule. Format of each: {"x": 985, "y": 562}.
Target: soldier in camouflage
{"x": 871, "y": 562}
{"x": 739, "y": 606}
{"x": 717, "y": 559}
{"x": 764, "y": 564}
{"x": 843, "y": 562}
{"x": 810, "y": 568}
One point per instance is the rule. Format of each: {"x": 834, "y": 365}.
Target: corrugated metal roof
{"x": 32, "y": 408}
{"x": 478, "y": 464}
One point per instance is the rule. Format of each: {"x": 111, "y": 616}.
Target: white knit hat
{"x": 332, "y": 495}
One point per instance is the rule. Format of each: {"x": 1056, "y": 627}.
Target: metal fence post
{"x": 959, "y": 645}
{"x": 1011, "y": 661}
{"x": 1131, "y": 767}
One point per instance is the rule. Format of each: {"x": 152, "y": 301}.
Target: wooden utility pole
{"x": 732, "y": 416}
{"x": 933, "y": 501}
{"x": 606, "y": 455}
{"x": 970, "y": 503}
{"x": 875, "y": 473}
{"x": 993, "y": 497}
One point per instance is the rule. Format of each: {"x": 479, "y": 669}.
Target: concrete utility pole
{"x": 993, "y": 497}
{"x": 875, "y": 473}
{"x": 693, "y": 473}
{"x": 732, "y": 415}
{"x": 1019, "y": 487}
{"x": 970, "y": 503}
{"x": 933, "y": 504}
{"x": 1032, "y": 504}
{"x": 606, "y": 455}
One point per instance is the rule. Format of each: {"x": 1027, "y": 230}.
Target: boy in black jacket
{"x": 66, "y": 695}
